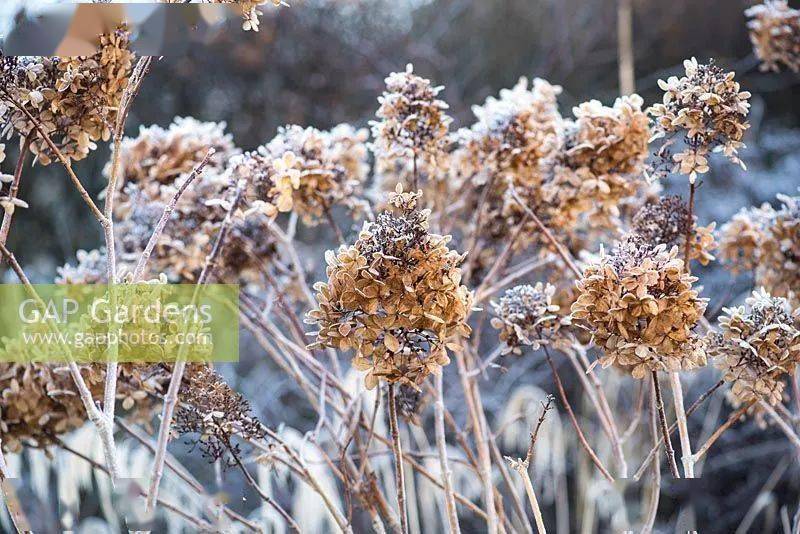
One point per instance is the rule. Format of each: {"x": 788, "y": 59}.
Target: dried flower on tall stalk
{"x": 667, "y": 222}
{"x": 758, "y": 347}
{"x": 211, "y": 414}
{"x": 394, "y": 296}
{"x": 705, "y": 107}
{"x": 767, "y": 241}
{"x": 75, "y": 99}
{"x": 526, "y": 315}
{"x": 775, "y": 34}
{"x": 413, "y": 126}
{"x": 641, "y": 308}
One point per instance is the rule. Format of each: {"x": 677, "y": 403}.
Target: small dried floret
{"x": 413, "y": 122}
{"x": 758, "y": 347}
{"x": 74, "y": 99}
{"x": 411, "y": 402}
{"x": 666, "y": 222}
{"x": 526, "y": 315}
{"x": 395, "y": 296}
{"x": 211, "y": 414}
{"x": 775, "y": 34}
{"x": 639, "y": 304}
{"x": 707, "y": 108}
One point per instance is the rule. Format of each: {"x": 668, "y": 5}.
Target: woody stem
{"x": 397, "y": 448}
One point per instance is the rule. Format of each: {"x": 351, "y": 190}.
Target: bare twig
{"x": 441, "y": 443}
{"x": 732, "y": 419}
{"x": 627, "y": 79}
{"x": 683, "y": 428}
{"x": 783, "y": 425}
{"x": 14, "y": 188}
{"x": 397, "y": 447}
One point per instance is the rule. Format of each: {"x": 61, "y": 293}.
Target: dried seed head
{"x": 90, "y": 268}
{"x": 666, "y": 222}
{"x": 526, "y": 315}
{"x": 75, "y": 99}
{"x": 707, "y": 108}
{"x": 775, "y": 34}
{"x": 211, "y": 414}
{"x": 759, "y": 345}
{"x": 395, "y": 296}
{"x": 640, "y": 306}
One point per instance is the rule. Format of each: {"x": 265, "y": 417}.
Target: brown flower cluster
{"x": 759, "y": 345}
{"x": 159, "y": 156}
{"x": 250, "y": 10}
{"x": 74, "y": 99}
{"x": 39, "y": 401}
{"x": 767, "y": 240}
{"x": 600, "y": 161}
{"x": 775, "y": 34}
{"x": 526, "y": 315}
{"x": 708, "y": 109}
{"x": 666, "y": 222}
{"x": 640, "y": 306}
{"x": 395, "y": 296}
{"x": 211, "y": 414}
{"x": 306, "y": 170}
{"x": 413, "y": 126}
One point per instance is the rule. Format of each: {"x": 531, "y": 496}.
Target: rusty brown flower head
{"x": 707, "y": 109}
{"x": 775, "y": 34}
{"x": 74, "y": 99}
{"x": 526, "y": 315}
{"x": 639, "y": 304}
{"x": 758, "y": 347}
{"x": 395, "y": 297}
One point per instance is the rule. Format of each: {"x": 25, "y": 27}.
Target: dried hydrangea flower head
{"x": 40, "y": 401}
{"x": 708, "y": 109}
{"x": 411, "y": 403}
{"x": 413, "y": 124}
{"x": 666, "y": 222}
{"x": 526, "y": 315}
{"x": 75, "y": 99}
{"x": 758, "y": 346}
{"x": 768, "y": 241}
{"x": 600, "y": 161}
{"x": 163, "y": 155}
{"x": 395, "y": 297}
{"x": 639, "y": 304}
{"x": 775, "y": 34}
{"x": 211, "y": 414}
{"x": 305, "y": 170}
{"x": 90, "y": 268}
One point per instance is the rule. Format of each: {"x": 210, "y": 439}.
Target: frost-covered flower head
{"x": 706, "y": 108}
{"x": 758, "y": 347}
{"x": 639, "y": 304}
{"x": 395, "y": 297}
{"x": 775, "y": 34}
{"x": 413, "y": 122}
{"x": 75, "y": 99}
{"x": 526, "y": 315}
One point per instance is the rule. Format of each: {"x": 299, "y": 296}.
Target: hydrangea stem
{"x": 683, "y": 428}
{"x": 397, "y": 448}
{"x": 664, "y": 429}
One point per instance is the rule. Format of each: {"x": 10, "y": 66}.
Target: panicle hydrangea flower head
{"x": 395, "y": 297}
{"x": 413, "y": 122}
{"x": 639, "y": 304}
{"x": 705, "y": 107}
{"x": 758, "y": 346}
{"x": 74, "y": 99}
{"x": 305, "y": 170}
{"x": 527, "y": 315}
{"x": 775, "y": 34}
{"x": 666, "y": 222}
{"x": 767, "y": 240}
{"x": 600, "y": 161}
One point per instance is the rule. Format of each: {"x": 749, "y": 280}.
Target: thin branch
{"x": 14, "y": 188}
{"x": 397, "y": 448}
{"x": 683, "y": 428}
{"x": 441, "y": 443}
{"x": 732, "y": 420}
{"x": 783, "y": 425}
{"x": 664, "y": 430}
